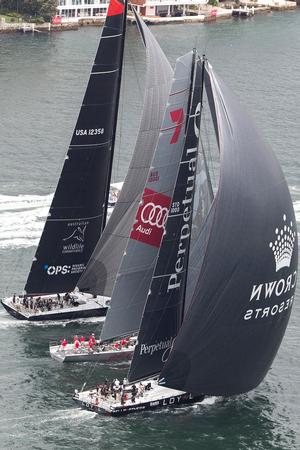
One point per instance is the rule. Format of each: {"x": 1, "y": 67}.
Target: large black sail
{"x": 245, "y": 291}
{"x": 137, "y": 266}
{"x": 163, "y": 311}
{"x": 78, "y": 210}
{"x": 202, "y": 213}
{"x": 101, "y": 272}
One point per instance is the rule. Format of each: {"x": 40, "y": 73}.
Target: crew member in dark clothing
{"x": 133, "y": 393}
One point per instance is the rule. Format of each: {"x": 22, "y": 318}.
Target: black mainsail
{"x": 245, "y": 289}
{"x": 78, "y": 211}
{"x": 164, "y": 309}
{"x": 103, "y": 266}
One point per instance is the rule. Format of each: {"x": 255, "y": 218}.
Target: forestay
{"x": 245, "y": 290}
{"x": 78, "y": 210}
{"x": 101, "y": 271}
{"x": 138, "y": 263}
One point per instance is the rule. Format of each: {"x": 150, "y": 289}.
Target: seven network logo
{"x": 283, "y": 245}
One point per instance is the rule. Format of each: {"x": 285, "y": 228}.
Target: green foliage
{"x": 9, "y": 17}
{"x": 213, "y": 2}
{"x": 32, "y": 8}
{"x": 14, "y": 14}
{"x": 38, "y": 20}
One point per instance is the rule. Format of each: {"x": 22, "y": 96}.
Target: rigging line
{"x": 207, "y": 41}
{"x": 116, "y": 164}
{"x": 207, "y": 126}
{"x": 197, "y": 38}
{"x": 115, "y": 115}
{"x": 134, "y": 65}
{"x": 131, "y": 59}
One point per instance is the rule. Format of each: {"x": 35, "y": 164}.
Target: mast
{"x": 116, "y": 117}
{"x": 203, "y": 204}
{"x": 193, "y": 98}
{"x": 78, "y": 209}
{"x": 164, "y": 308}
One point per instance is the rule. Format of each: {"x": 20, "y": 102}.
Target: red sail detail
{"x": 115, "y": 7}
{"x": 177, "y": 116}
{"x": 151, "y": 218}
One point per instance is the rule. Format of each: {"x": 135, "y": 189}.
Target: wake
{"x": 6, "y": 322}
{"x": 22, "y": 219}
{"x": 297, "y": 210}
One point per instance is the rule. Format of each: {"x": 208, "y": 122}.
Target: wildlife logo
{"x": 75, "y": 241}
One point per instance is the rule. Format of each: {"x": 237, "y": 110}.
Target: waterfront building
{"x": 82, "y": 9}
{"x": 87, "y": 9}
{"x": 168, "y": 8}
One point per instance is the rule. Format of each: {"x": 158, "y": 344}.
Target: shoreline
{"x": 208, "y": 13}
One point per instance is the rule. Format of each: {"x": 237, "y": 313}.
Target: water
{"x": 42, "y": 79}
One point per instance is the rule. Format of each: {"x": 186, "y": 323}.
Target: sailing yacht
{"x": 76, "y": 262}
{"x": 212, "y": 315}
{"x": 117, "y": 351}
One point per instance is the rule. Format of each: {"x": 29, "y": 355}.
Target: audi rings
{"x": 155, "y": 215}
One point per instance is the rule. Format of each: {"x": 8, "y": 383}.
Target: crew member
{"x": 64, "y": 343}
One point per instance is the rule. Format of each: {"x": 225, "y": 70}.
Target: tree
{"x": 44, "y": 8}
{"x": 48, "y": 8}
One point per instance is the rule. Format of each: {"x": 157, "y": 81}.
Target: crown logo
{"x": 283, "y": 245}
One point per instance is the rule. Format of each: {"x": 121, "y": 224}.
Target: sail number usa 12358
{"x": 89, "y": 131}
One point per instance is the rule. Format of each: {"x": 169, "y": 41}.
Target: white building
{"x": 82, "y": 9}
{"x": 167, "y": 8}
{"x": 85, "y": 9}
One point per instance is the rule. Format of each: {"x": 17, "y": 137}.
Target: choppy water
{"x": 42, "y": 79}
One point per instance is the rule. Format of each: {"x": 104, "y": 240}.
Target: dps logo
{"x": 56, "y": 270}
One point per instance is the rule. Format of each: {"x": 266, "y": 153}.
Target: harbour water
{"x": 42, "y": 80}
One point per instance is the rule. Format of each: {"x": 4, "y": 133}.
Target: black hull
{"x": 61, "y": 315}
{"x": 178, "y": 400}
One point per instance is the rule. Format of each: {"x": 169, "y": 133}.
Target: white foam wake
{"x": 22, "y": 219}
{"x": 6, "y": 322}
{"x": 297, "y": 210}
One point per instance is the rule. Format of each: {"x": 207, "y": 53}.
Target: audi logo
{"x": 155, "y": 215}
